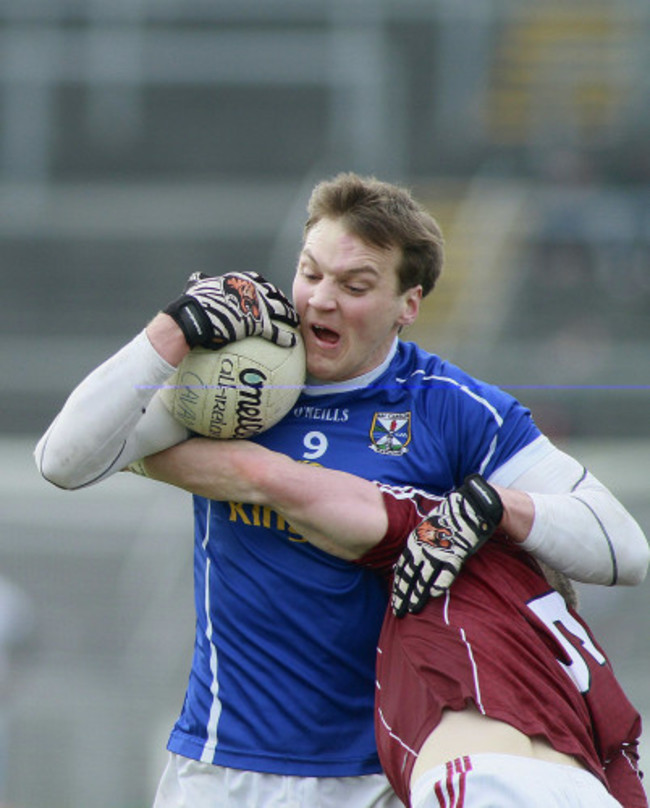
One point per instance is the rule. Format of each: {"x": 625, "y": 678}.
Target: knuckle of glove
{"x": 206, "y": 290}
{"x": 273, "y": 305}
{"x": 255, "y": 277}
{"x": 193, "y": 279}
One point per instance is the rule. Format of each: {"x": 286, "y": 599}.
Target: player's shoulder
{"x": 425, "y": 373}
{"x": 412, "y": 362}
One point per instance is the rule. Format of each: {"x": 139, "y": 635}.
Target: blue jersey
{"x": 283, "y": 674}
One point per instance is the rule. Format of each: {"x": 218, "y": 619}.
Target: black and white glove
{"x": 214, "y": 311}
{"x": 438, "y": 547}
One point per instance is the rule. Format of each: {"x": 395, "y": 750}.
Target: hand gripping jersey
{"x": 283, "y": 673}
{"x": 504, "y": 640}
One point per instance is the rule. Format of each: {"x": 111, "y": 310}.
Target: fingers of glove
{"x": 419, "y": 596}
{"x": 431, "y": 579}
{"x": 261, "y": 305}
{"x": 406, "y": 571}
{"x": 281, "y": 337}
{"x": 247, "y": 295}
{"x": 279, "y": 306}
{"x": 445, "y": 577}
{"x": 415, "y": 581}
{"x": 422, "y": 588}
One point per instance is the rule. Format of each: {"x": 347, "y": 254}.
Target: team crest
{"x": 390, "y": 433}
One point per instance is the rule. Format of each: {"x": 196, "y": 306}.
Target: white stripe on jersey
{"x": 404, "y": 491}
{"x": 389, "y": 729}
{"x": 423, "y": 501}
{"x": 488, "y": 456}
{"x": 477, "y": 686}
{"x": 482, "y": 401}
{"x": 215, "y": 708}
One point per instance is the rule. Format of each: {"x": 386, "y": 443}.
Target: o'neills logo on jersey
{"x": 390, "y": 433}
{"x": 333, "y": 414}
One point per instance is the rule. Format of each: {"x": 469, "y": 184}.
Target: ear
{"x": 410, "y": 306}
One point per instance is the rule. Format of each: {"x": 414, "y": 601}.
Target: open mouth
{"x": 325, "y": 334}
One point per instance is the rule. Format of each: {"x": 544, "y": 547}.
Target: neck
{"x": 318, "y": 387}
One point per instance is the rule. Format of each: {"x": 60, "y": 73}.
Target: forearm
{"x": 573, "y": 523}
{"x": 105, "y": 423}
{"x": 215, "y": 469}
{"x": 607, "y": 545}
{"x": 337, "y": 512}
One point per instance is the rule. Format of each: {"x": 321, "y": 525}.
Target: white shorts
{"x": 483, "y": 781}
{"x": 190, "y": 784}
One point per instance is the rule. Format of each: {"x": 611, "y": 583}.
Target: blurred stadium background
{"x": 143, "y": 140}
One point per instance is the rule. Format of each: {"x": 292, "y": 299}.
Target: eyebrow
{"x": 351, "y": 271}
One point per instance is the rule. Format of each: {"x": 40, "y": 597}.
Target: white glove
{"x": 213, "y": 312}
{"x": 436, "y": 550}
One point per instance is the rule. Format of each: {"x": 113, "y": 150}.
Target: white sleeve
{"x": 580, "y": 528}
{"x": 111, "y": 418}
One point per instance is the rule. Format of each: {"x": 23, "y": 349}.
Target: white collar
{"x": 315, "y": 387}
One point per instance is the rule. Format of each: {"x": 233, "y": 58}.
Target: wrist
{"x": 193, "y": 322}
{"x": 518, "y": 513}
{"x": 167, "y": 338}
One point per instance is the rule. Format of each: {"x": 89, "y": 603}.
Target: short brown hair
{"x": 384, "y": 215}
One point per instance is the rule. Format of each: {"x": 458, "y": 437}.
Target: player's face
{"x": 346, "y": 293}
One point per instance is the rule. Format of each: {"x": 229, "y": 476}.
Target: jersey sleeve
{"x": 405, "y": 508}
{"x": 479, "y": 426}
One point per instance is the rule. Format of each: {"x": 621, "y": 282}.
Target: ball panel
{"x": 238, "y": 391}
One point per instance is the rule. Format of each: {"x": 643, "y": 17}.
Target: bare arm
{"x": 167, "y": 338}
{"x": 341, "y": 514}
{"x": 345, "y": 515}
{"x": 518, "y": 512}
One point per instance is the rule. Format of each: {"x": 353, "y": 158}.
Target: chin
{"x": 323, "y": 371}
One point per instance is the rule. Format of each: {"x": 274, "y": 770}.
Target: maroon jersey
{"x": 504, "y": 640}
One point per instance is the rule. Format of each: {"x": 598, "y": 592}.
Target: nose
{"x": 323, "y": 296}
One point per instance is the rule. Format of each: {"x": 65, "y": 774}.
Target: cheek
{"x": 370, "y": 319}
{"x": 299, "y": 296}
